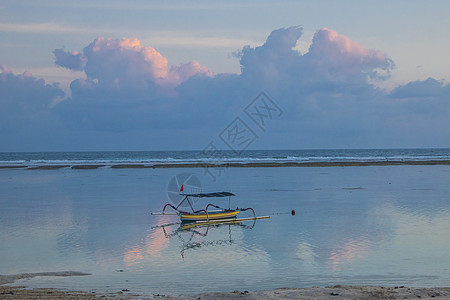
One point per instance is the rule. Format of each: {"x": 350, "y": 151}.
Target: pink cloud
{"x": 8, "y": 76}
{"x": 126, "y": 64}
{"x": 341, "y": 55}
{"x": 178, "y": 74}
{"x": 5, "y": 69}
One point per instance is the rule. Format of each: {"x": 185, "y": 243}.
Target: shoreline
{"x": 5, "y": 279}
{"x": 328, "y": 292}
{"x": 233, "y": 165}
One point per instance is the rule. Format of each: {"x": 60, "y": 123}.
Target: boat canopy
{"x": 204, "y": 195}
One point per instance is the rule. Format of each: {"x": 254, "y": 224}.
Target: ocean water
{"x": 378, "y": 225}
{"x": 219, "y": 156}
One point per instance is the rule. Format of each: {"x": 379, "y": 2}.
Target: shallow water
{"x": 353, "y": 225}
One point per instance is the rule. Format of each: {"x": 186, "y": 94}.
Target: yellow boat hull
{"x": 211, "y": 216}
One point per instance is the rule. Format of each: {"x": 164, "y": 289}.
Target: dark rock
{"x": 7, "y": 293}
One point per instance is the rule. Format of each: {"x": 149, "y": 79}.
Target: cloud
{"x": 131, "y": 92}
{"x": 26, "y": 92}
{"x": 125, "y": 64}
{"x": 337, "y": 55}
{"x": 70, "y": 60}
{"x": 274, "y": 59}
{"x": 426, "y": 89}
{"x": 333, "y": 62}
{"x": 127, "y": 86}
{"x": 26, "y": 117}
{"x": 328, "y": 98}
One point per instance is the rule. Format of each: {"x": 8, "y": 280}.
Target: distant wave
{"x": 197, "y": 157}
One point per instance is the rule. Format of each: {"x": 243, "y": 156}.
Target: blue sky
{"x": 148, "y": 75}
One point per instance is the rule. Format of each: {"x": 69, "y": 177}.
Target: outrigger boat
{"x": 204, "y": 218}
{"x": 206, "y": 215}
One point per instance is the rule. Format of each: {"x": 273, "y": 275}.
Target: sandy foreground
{"x": 333, "y": 292}
{"x": 325, "y": 293}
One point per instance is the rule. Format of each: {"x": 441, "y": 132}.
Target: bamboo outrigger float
{"x": 206, "y": 215}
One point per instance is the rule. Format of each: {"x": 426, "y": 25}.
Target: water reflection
{"x": 154, "y": 242}
{"x": 348, "y": 251}
{"x": 193, "y": 236}
{"x": 306, "y": 253}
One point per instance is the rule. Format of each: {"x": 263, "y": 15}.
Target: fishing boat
{"x": 207, "y": 214}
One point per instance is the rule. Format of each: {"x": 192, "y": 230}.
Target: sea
{"x": 330, "y": 225}
{"x": 220, "y": 156}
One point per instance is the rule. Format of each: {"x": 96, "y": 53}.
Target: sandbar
{"x": 87, "y": 167}
{"x": 306, "y": 164}
{"x": 48, "y": 167}
{"x": 236, "y": 164}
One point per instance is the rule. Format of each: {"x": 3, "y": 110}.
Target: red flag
{"x": 182, "y": 189}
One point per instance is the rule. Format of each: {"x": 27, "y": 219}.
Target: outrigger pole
{"x": 232, "y": 220}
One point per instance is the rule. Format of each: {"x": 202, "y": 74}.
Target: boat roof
{"x": 216, "y": 194}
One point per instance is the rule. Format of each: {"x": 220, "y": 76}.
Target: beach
{"x": 324, "y": 293}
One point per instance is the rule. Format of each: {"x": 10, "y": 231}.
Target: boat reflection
{"x": 194, "y": 236}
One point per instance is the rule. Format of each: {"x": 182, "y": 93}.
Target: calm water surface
{"x": 353, "y": 225}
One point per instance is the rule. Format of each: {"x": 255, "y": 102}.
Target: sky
{"x": 188, "y": 75}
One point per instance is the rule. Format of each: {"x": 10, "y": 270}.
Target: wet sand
{"x": 237, "y": 165}
{"x": 21, "y": 292}
{"x": 4, "y": 279}
{"x": 324, "y": 293}
{"x": 331, "y": 292}
{"x": 335, "y": 292}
